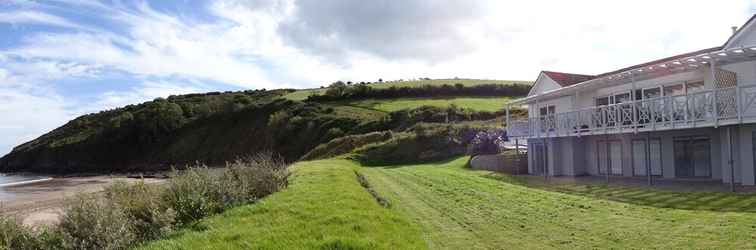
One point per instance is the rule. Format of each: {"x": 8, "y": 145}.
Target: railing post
{"x": 632, "y": 97}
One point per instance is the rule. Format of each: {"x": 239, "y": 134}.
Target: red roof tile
{"x": 567, "y": 79}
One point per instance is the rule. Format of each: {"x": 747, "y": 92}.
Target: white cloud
{"x": 26, "y": 116}
{"x": 35, "y": 17}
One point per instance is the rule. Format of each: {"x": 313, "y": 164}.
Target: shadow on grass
{"x": 708, "y": 201}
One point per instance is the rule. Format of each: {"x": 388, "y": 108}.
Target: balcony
{"x": 709, "y": 108}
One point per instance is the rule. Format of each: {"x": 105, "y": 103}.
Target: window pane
{"x": 552, "y": 110}
{"x": 695, "y": 86}
{"x": 603, "y": 162}
{"x": 622, "y": 98}
{"x": 651, "y": 93}
{"x": 701, "y": 157}
{"x": 674, "y": 90}
{"x": 602, "y": 101}
{"x": 639, "y": 157}
{"x": 656, "y": 159}
{"x": 615, "y": 157}
{"x": 542, "y": 111}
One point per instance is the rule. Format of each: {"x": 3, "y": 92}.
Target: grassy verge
{"x": 491, "y": 104}
{"x": 461, "y": 209}
{"x": 324, "y": 208}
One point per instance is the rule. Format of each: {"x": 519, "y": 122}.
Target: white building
{"x": 690, "y": 116}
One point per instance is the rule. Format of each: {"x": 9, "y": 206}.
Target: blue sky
{"x": 63, "y": 58}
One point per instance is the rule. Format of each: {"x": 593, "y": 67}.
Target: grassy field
{"x": 303, "y": 94}
{"x": 445, "y": 206}
{"x": 491, "y": 104}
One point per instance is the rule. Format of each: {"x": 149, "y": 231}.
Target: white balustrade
{"x": 709, "y": 108}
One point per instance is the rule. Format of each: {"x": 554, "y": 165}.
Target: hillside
{"x": 444, "y": 205}
{"x": 217, "y": 127}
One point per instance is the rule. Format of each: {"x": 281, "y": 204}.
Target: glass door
{"x": 692, "y": 157}
{"x": 640, "y": 167}
{"x": 609, "y": 157}
{"x": 539, "y": 162}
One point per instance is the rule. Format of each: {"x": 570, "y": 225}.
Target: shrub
{"x": 487, "y": 142}
{"x": 190, "y": 194}
{"x": 198, "y": 192}
{"x": 13, "y": 235}
{"x": 92, "y": 223}
{"x": 143, "y": 206}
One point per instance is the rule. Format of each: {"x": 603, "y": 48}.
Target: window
{"x": 622, "y": 98}
{"x": 671, "y": 90}
{"x": 609, "y": 157}
{"x": 640, "y": 167}
{"x": 548, "y": 110}
{"x": 692, "y": 157}
{"x": 602, "y": 101}
{"x": 694, "y": 86}
{"x": 651, "y": 93}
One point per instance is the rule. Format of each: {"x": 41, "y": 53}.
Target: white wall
{"x": 542, "y": 84}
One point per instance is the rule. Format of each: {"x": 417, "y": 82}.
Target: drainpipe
{"x": 648, "y": 159}
{"x": 731, "y": 161}
{"x": 545, "y": 160}
{"x": 608, "y": 157}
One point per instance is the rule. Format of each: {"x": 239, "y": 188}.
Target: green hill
{"x": 217, "y": 127}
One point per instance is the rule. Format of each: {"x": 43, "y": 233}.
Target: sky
{"x": 63, "y": 58}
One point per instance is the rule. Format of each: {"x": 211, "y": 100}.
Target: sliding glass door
{"x": 640, "y": 163}
{"x": 692, "y": 157}
{"x": 609, "y": 157}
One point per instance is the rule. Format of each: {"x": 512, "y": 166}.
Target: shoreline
{"x": 41, "y": 202}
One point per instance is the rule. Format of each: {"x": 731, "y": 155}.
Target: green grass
{"x": 463, "y": 209}
{"x": 304, "y": 93}
{"x": 446, "y": 206}
{"x": 491, "y": 104}
{"x": 323, "y": 208}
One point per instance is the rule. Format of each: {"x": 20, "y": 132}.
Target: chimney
{"x": 734, "y": 29}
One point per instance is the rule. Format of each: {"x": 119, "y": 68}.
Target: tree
{"x": 487, "y": 143}
{"x": 336, "y": 89}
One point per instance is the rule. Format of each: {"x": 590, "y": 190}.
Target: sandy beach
{"x": 41, "y": 203}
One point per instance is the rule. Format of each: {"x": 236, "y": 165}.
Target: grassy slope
{"x": 304, "y": 93}
{"x": 491, "y": 104}
{"x": 456, "y": 208}
{"x": 324, "y": 208}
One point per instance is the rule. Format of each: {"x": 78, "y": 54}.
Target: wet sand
{"x": 42, "y": 203}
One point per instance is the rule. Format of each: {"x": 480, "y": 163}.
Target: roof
{"x": 642, "y": 65}
{"x": 567, "y": 79}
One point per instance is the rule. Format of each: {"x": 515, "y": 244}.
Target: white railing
{"x": 708, "y": 108}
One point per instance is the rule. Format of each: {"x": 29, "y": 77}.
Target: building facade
{"x": 690, "y": 116}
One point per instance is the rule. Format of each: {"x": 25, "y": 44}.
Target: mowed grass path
{"x": 304, "y": 93}
{"x": 491, "y": 104}
{"x": 464, "y": 209}
{"x": 323, "y": 208}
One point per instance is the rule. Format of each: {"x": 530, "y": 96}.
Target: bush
{"x": 487, "y": 142}
{"x": 13, "y": 235}
{"x": 190, "y": 194}
{"x": 198, "y": 192}
{"x": 143, "y": 206}
{"x": 93, "y": 223}
{"x": 423, "y": 143}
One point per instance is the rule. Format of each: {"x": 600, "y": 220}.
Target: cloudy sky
{"x": 63, "y": 58}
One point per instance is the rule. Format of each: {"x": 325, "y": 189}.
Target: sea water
{"x": 8, "y": 180}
